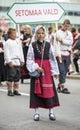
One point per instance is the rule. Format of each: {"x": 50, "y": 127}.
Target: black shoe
{"x": 52, "y": 117}
{"x": 22, "y": 81}
{"x": 0, "y": 84}
{"x": 36, "y": 117}
{"x": 16, "y": 93}
{"x": 10, "y": 93}
{"x": 58, "y": 89}
{"x": 65, "y": 91}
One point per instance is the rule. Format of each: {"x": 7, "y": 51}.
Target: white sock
{"x": 50, "y": 110}
{"x": 36, "y": 110}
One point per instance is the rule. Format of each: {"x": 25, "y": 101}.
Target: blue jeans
{"x": 63, "y": 69}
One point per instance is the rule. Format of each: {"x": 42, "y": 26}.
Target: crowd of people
{"x": 48, "y": 52}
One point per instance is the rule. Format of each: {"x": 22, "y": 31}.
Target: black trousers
{"x": 13, "y": 73}
{"x": 75, "y": 61}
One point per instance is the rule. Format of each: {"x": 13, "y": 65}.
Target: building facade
{"x": 71, "y": 7}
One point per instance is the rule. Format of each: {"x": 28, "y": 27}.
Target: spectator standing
{"x": 50, "y": 35}
{"x": 64, "y": 42}
{"x": 2, "y": 65}
{"x": 72, "y": 67}
{"x": 76, "y": 55}
{"x": 25, "y": 43}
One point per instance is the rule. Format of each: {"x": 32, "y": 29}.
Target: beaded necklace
{"x": 37, "y": 47}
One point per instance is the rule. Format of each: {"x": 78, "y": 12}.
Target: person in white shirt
{"x": 63, "y": 41}
{"x": 50, "y": 35}
{"x": 13, "y": 55}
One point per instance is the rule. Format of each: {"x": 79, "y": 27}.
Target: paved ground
{"x": 74, "y": 76}
{"x": 16, "y": 115}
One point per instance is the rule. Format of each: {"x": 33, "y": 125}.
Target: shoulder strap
{"x": 43, "y": 53}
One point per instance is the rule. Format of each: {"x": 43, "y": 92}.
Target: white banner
{"x": 35, "y": 12}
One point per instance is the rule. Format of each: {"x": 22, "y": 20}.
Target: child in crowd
{"x": 14, "y": 59}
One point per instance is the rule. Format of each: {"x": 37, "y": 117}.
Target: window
{"x": 3, "y": 9}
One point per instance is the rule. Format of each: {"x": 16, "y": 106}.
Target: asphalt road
{"x": 16, "y": 115}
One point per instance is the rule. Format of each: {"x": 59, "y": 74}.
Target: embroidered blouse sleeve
{"x": 53, "y": 63}
{"x": 31, "y": 65}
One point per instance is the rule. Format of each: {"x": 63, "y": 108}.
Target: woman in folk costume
{"x": 14, "y": 59}
{"x": 2, "y": 66}
{"x": 25, "y": 43}
{"x": 43, "y": 92}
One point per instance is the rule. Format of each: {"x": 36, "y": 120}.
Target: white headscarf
{"x": 36, "y": 29}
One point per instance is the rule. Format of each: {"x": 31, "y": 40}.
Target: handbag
{"x": 36, "y": 74}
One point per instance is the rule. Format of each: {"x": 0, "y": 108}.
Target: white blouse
{"x": 13, "y": 51}
{"x": 32, "y": 66}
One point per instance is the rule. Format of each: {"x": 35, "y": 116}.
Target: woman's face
{"x": 40, "y": 34}
{"x": 27, "y": 31}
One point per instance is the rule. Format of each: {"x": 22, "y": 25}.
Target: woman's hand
{"x": 59, "y": 59}
{"x": 39, "y": 69}
{"x": 21, "y": 64}
{"x": 3, "y": 51}
{"x": 55, "y": 76}
{"x": 10, "y": 64}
